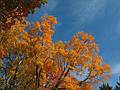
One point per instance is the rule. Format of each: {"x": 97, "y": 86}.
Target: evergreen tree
{"x": 117, "y": 87}
{"x": 105, "y": 87}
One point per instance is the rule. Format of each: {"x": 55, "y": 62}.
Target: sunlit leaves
{"x": 36, "y": 62}
{"x": 36, "y": 24}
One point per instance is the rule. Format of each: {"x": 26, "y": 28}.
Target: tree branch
{"x": 87, "y": 77}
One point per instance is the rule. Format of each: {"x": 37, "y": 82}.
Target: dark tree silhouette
{"x": 117, "y": 87}
{"x": 105, "y": 87}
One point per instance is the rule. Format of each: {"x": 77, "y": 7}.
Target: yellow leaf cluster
{"x": 36, "y": 24}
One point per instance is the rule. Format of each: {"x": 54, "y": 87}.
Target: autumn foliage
{"x": 30, "y": 60}
{"x": 12, "y": 10}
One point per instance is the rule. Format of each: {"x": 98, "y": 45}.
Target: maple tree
{"x": 12, "y": 10}
{"x": 30, "y": 60}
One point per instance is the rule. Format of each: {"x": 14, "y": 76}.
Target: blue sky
{"x": 100, "y": 17}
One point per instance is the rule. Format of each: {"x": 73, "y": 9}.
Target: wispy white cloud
{"x": 87, "y": 10}
{"x": 116, "y": 69}
{"x": 52, "y": 5}
{"x": 118, "y": 28}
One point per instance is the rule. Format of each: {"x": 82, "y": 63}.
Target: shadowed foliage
{"x": 10, "y": 10}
